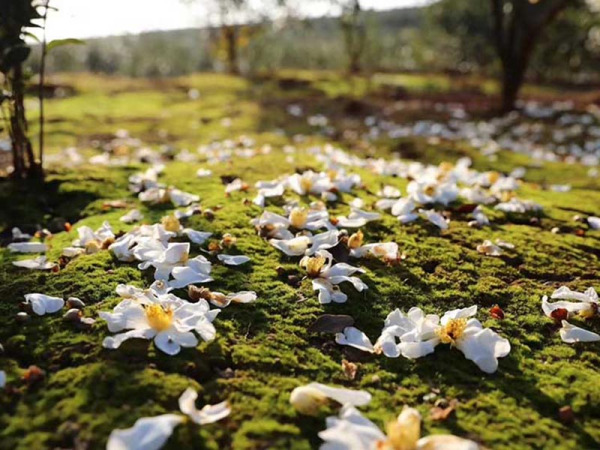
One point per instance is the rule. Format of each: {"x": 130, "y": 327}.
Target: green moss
{"x": 263, "y": 350}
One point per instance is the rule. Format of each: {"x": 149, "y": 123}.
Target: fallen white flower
{"x": 352, "y": 431}
{"x": 309, "y": 398}
{"x": 488, "y": 248}
{"x": 132, "y": 216}
{"x": 572, "y": 334}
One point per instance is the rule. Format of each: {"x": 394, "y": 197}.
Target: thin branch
{"x": 42, "y": 81}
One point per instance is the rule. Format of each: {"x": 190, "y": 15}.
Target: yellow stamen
{"x": 356, "y": 240}
{"x": 298, "y": 217}
{"x": 590, "y": 312}
{"x": 452, "y": 331}
{"x": 402, "y": 434}
{"x": 92, "y": 247}
{"x": 171, "y": 223}
{"x": 158, "y": 317}
{"x": 314, "y": 265}
{"x": 306, "y": 184}
{"x": 228, "y": 240}
{"x": 493, "y": 176}
{"x": 429, "y": 190}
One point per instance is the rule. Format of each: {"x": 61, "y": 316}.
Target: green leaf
{"x": 60, "y": 42}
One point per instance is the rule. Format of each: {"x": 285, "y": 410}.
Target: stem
{"x": 41, "y": 84}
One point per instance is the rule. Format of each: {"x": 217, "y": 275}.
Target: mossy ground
{"x": 263, "y": 350}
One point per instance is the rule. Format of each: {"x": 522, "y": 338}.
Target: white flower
{"x": 427, "y": 191}
{"x": 180, "y": 198}
{"x": 271, "y": 225}
{"x": 307, "y": 244}
{"x": 233, "y": 260}
{"x": 196, "y": 270}
{"x": 151, "y": 433}
{"x": 352, "y": 431}
{"x": 167, "y": 319}
{"x": 164, "y": 260}
{"x": 309, "y": 219}
{"x": 388, "y": 251}
{"x": 481, "y": 345}
{"x": 326, "y": 276}
{"x": 307, "y": 399}
{"x": 39, "y": 263}
{"x": 132, "y": 216}
{"x": 268, "y": 190}
{"x": 235, "y": 185}
{"x": 156, "y": 195}
{"x": 389, "y": 192}
{"x": 93, "y": 241}
{"x": 435, "y": 218}
{"x": 515, "y": 205}
{"x": 594, "y": 222}
{"x": 480, "y": 218}
{"x": 585, "y": 304}
{"x": 221, "y": 300}
{"x": 355, "y": 338}
{"x": 415, "y": 331}
{"x": 44, "y": 304}
{"x": 488, "y": 248}
{"x": 27, "y": 247}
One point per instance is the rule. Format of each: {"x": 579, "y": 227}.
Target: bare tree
{"x": 354, "y": 31}
{"x": 518, "y": 25}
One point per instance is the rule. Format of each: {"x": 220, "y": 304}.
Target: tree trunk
{"x": 512, "y": 79}
{"x": 230, "y": 35}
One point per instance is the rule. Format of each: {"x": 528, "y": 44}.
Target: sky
{"x": 91, "y": 18}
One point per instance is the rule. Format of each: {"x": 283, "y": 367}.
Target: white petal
{"x": 44, "y": 304}
{"x": 197, "y": 237}
{"x": 27, "y": 247}
{"x": 572, "y": 334}
{"x": 39, "y": 263}
{"x": 233, "y": 260}
{"x": 292, "y": 247}
{"x": 445, "y": 442}
{"x": 149, "y": 433}
{"x": 164, "y": 342}
{"x": 351, "y": 431}
{"x": 114, "y": 342}
{"x": 354, "y": 338}
{"x": 483, "y": 347}
{"x": 208, "y": 414}
{"x": 308, "y": 398}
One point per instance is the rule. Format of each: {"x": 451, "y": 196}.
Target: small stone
{"x": 72, "y": 315}
{"x": 22, "y": 317}
{"x": 74, "y": 302}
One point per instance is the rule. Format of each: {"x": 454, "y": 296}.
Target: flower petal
{"x": 149, "y": 433}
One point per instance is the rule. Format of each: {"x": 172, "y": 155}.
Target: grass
{"x": 263, "y": 350}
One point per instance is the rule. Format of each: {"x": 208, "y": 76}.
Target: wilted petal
{"x": 307, "y": 399}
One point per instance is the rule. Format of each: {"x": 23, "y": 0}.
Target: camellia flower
{"x": 151, "y": 433}
{"x": 132, "y": 216}
{"x": 488, "y": 248}
{"x": 585, "y": 305}
{"x": 388, "y": 251}
{"x": 165, "y": 318}
{"x": 94, "y": 241}
{"x": 165, "y": 260}
{"x": 481, "y": 345}
{"x": 326, "y": 276}
{"x": 44, "y": 304}
{"x": 309, "y": 398}
{"x": 307, "y": 244}
{"x": 415, "y": 331}
{"x": 352, "y": 431}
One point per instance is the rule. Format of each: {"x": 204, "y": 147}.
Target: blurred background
{"x": 174, "y": 37}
